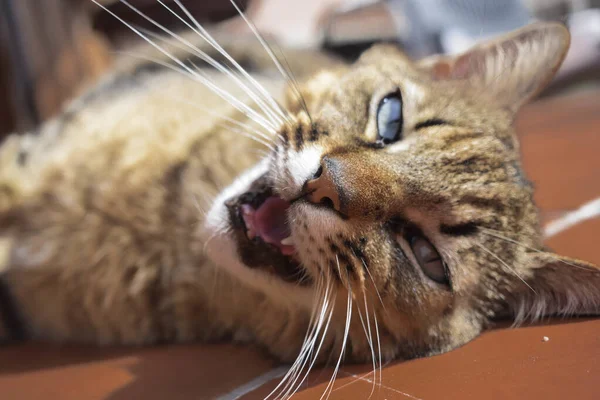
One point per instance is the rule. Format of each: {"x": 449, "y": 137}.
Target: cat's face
{"x": 395, "y": 190}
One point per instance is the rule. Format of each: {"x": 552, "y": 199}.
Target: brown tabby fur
{"x": 104, "y": 239}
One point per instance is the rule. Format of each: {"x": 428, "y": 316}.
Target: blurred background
{"x": 51, "y": 50}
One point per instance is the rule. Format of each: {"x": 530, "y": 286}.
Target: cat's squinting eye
{"x": 429, "y": 259}
{"x": 389, "y": 119}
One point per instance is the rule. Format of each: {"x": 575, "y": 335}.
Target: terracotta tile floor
{"x": 561, "y": 143}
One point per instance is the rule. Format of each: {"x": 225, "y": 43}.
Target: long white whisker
{"x": 249, "y": 129}
{"x": 267, "y": 49}
{"x": 294, "y": 388}
{"x": 492, "y": 232}
{"x": 505, "y": 264}
{"x": 211, "y": 237}
{"x": 372, "y": 280}
{"x": 221, "y": 93}
{"x": 249, "y": 136}
{"x": 222, "y": 69}
{"x": 294, "y": 83}
{"x": 205, "y": 57}
{"x": 307, "y": 349}
{"x": 264, "y": 136}
{"x": 309, "y": 332}
{"x": 204, "y": 34}
{"x": 378, "y": 348}
{"x": 329, "y": 387}
{"x": 369, "y": 339}
{"x": 206, "y": 198}
{"x": 199, "y": 208}
{"x": 370, "y": 344}
{"x": 305, "y": 353}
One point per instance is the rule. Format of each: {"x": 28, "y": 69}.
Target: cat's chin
{"x": 247, "y": 234}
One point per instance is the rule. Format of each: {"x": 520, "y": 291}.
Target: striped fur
{"x": 112, "y": 223}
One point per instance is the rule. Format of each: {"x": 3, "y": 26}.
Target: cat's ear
{"x": 557, "y": 286}
{"x": 513, "y": 68}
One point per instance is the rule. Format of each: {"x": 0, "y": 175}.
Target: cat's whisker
{"x": 313, "y": 354}
{"x": 200, "y": 209}
{"x": 206, "y": 58}
{"x": 378, "y": 347}
{"x": 216, "y": 274}
{"x": 263, "y": 138}
{"x": 310, "y": 353}
{"x": 240, "y": 106}
{"x": 307, "y": 348}
{"x": 329, "y": 387}
{"x": 320, "y": 298}
{"x": 327, "y": 311}
{"x": 260, "y": 153}
{"x": 204, "y": 34}
{"x": 494, "y": 233}
{"x": 286, "y": 381}
{"x": 369, "y": 337}
{"x": 208, "y": 200}
{"x": 212, "y": 237}
{"x": 372, "y": 280}
{"x": 249, "y": 136}
{"x": 505, "y": 264}
{"x": 292, "y": 80}
{"x": 339, "y": 271}
{"x": 271, "y": 54}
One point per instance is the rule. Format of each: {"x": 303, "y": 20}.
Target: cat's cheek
{"x": 221, "y": 248}
{"x": 220, "y": 244}
{"x": 314, "y": 231}
{"x": 222, "y": 251}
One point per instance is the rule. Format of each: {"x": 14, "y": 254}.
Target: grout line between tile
{"x": 587, "y": 211}
{"x": 254, "y": 384}
{"x": 358, "y": 378}
{"x": 363, "y": 378}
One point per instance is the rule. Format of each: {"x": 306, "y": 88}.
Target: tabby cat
{"x": 363, "y": 212}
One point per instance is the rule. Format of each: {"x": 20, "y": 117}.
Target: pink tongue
{"x": 270, "y": 220}
{"x": 271, "y": 225}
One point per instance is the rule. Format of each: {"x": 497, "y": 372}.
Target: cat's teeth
{"x": 287, "y": 241}
{"x": 250, "y": 234}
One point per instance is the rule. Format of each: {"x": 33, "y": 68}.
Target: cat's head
{"x": 401, "y": 184}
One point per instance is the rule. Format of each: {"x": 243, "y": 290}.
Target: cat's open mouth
{"x": 259, "y": 218}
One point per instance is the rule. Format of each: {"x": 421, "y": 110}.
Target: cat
{"x": 361, "y": 212}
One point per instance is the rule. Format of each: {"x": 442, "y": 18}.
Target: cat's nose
{"x": 322, "y": 188}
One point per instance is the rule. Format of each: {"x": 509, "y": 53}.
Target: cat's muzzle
{"x": 259, "y": 219}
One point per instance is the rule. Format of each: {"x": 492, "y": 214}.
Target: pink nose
{"x": 322, "y": 189}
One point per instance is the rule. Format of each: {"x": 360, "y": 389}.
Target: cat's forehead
{"x": 384, "y": 69}
{"x": 384, "y": 65}
{"x": 382, "y": 54}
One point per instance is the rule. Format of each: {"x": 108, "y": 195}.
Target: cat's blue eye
{"x": 389, "y": 119}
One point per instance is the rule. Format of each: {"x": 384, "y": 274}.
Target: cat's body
{"x": 128, "y": 171}
{"x": 110, "y": 231}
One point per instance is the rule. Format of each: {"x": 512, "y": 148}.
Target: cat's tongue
{"x": 269, "y": 221}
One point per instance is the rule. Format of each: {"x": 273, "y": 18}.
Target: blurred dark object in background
{"x": 47, "y": 51}
{"x": 50, "y": 50}
{"x": 205, "y": 11}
